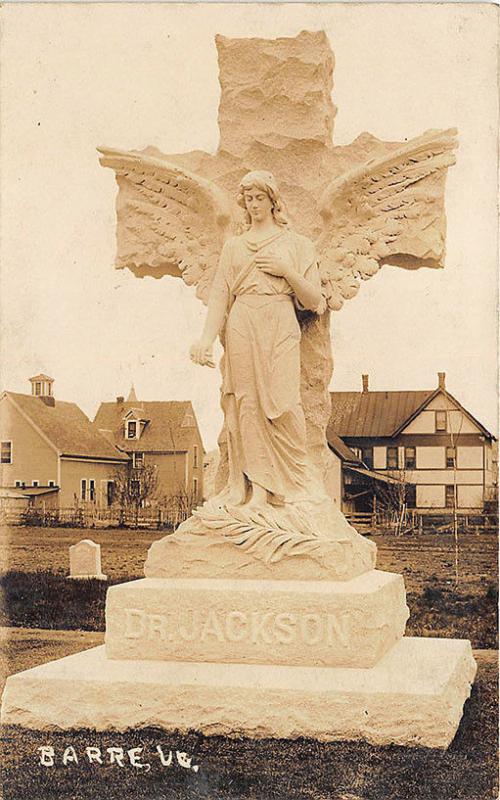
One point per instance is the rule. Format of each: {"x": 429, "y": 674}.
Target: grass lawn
{"x": 237, "y": 769}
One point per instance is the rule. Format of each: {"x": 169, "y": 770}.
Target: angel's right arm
{"x": 218, "y": 300}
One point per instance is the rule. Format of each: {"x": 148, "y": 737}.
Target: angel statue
{"x": 270, "y": 291}
{"x": 263, "y": 275}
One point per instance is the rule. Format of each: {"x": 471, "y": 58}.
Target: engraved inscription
{"x": 254, "y": 627}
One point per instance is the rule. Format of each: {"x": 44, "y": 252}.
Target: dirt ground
{"x": 425, "y": 559}
{"x": 31, "y": 549}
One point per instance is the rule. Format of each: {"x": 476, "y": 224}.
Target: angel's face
{"x": 258, "y": 204}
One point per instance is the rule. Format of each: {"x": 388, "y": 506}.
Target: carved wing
{"x": 169, "y": 221}
{"x": 390, "y": 210}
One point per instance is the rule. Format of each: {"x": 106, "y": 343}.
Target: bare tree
{"x": 133, "y": 487}
{"x": 179, "y": 505}
{"x": 454, "y": 435}
{"x": 393, "y": 498}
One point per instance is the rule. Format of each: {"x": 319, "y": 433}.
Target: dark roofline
{"x": 444, "y": 392}
{"x": 339, "y": 452}
{"x": 118, "y": 457}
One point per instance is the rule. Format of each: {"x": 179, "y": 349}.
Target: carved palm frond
{"x": 390, "y": 210}
{"x": 268, "y": 535}
{"x": 169, "y": 221}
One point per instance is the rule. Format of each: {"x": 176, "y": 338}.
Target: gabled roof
{"x": 458, "y": 405}
{"x": 163, "y": 430}
{"x": 41, "y": 377}
{"x": 374, "y": 414}
{"x": 65, "y": 426}
{"x": 137, "y": 414}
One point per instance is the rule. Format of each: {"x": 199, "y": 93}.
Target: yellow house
{"x": 425, "y": 438}
{"x": 51, "y": 452}
{"x": 163, "y": 433}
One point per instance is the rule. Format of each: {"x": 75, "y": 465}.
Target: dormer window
{"x": 131, "y": 429}
{"x": 188, "y": 421}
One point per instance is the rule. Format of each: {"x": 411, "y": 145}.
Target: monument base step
{"x": 413, "y": 696}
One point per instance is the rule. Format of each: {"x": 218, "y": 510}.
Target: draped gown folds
{"x": 265, "y": 424}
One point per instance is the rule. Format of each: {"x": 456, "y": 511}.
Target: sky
{"x": 77, "y": 76}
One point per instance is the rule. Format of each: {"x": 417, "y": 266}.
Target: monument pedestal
{"x": 294, "y": 623}
{"x": 258, "y": 658}
{"x": 413, "y": 696}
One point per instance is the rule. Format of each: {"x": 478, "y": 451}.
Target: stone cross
{"x": 85, "y": 560}
{"x": 276, "y": 113}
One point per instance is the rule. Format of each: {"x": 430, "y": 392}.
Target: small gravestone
{"x": 85, "y": 560}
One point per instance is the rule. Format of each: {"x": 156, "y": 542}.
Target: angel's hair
{"x": 266, "y": 182}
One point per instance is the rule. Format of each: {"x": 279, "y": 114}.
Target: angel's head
{"x": 259, "y": 195}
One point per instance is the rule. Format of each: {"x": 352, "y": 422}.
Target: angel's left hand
{"x": 274, "y": 265}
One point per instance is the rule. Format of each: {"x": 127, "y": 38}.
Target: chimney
{"x": 364, "y": 378}
{"x": 442, "y": 381}
{"x": 120, "y": 400}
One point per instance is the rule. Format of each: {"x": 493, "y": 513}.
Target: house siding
{"x": 473, "y": 472}
{"x": 430, "y": 496}
{"x": 33, "y": 458}
{"x": 74, "y": 470}
{"x": 469, "y": 497}
{"x": 171, "y": 472}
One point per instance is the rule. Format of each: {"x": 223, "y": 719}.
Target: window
{"x": 35, "y": 483}
{"x": 451, "y": 455}
{"x": 195, "y": 487}
{"x": 52, "y": 483}
{"x": 440, "y": 421}
{"x": 83, "y": 490}
{"x": 449, "y": 496}
{"x": 411, "y": 495}
{"x": 19, "y": 484}
{"x": 38, "y": 388}
{"x": 392, "y": 458}
{"x": 188, "y": 421}
{"x": 91, "y": 489}
{"x": 110, "y": 493}
{"x": 131, "y": 429}
{"x": 6, "y": 453}
{"x": 135, "y": 488}
{"x": 195, "y": 456}
{"x": 410, "y": 458}
{"x": 367, "y": 456}
{"x": 137, "y": 459}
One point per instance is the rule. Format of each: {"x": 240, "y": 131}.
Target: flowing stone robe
{"x": 265, "y": 424}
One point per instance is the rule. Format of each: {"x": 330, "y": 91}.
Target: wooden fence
{"x": 411, "y": 521}
{"x": 171, "y": 516}
{"x": 94, "y": 517}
